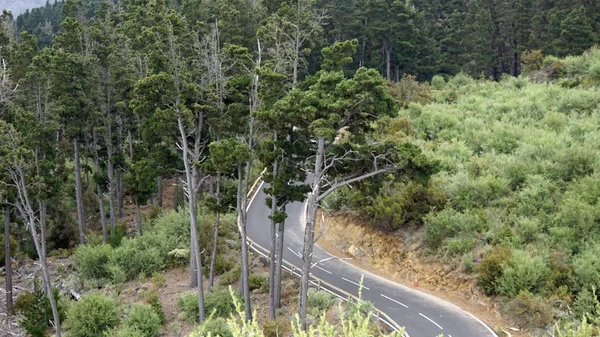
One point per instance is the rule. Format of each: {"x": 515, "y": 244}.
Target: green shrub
{"x": 135, "y": 258}
{"x": 222, "y": 264}
{"x": 126, "y": 331}
{"x": 91, "y": 262}
{"x": 259, "y": 282}
{"x": 120, "y": 233}
{"x": 491, "y": 268}
{"x": 188, "y": 305}
{"x": 586, "y": 303}
{"x": 92, "y": 316}
{"x": 178, "y": 257}
{"x": 440, "y": 227}
{"x": 523, "y": 272}
{"x": 276, "y": 328}
{"x": 213, "y": 327}
{"x": 219, "y": 303}
{"x": 152, "y": 298}
{"x": 438, "y": 82}
{"x": 467, "y": 261}
{"x": 230, "y": 277}
{"x": 319, "y": 301}
{"x": 587, "y": 268}
{"x": 143, "y": 318}
{"x": 458, "y": 245}
{"x": 530, "y": 311}
{"x": 35, "y": 310}
{"x": 159, "y": 279}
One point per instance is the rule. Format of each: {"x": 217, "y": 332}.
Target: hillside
{"x": 514, "y": 207}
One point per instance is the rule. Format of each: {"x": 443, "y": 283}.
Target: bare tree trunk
{"x": 138, "y": 217}
{"x": 388, "y": 62}
{"x": 242, "y": 196}
{"x": 120, "y": 191}
{"x": 279, "y": 263}
{"x": 7, "y": 261}
{"x": 78, "y": 192}
{"x": 45, "y": 273}
{"x": 176, "y": 194}
{"x": 309, "y": 231}
{"x": 272, "y": 257}
{"x": 190, "y": 173}
{"x": 99, "y": 191}
{"x": 159, "y": 191}
{"x": 28, "y": 214}
{"x": 213, "y": 256}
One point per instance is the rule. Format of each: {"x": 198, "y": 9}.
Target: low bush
{"x": 530, "y": 311}
{"x": 213, "y": 327}
{"x": 159, "y": 279}
{"x": 276, "y": 328}
{"x": 231, "y": 277}
{"x": 143, "y": 318}
{"x": 135, "y": 258}
{"x": 222, "y": 265}
{"x": 258, "y": 282}
{"x": 91, "y": 262}
{"x": 491, "y": 268}
{"x": 120, "y": 233}
{"x": 522, "y": 272}
{"x": 152, "y": 299}
{"x": 587, "y": 268}
{"x": 35, "y": 310}
{"x": 92, "y": 316}
{"x": 319, "y": 301}
{"x": 188, "y": 306}
{"x": 219, "y": 303}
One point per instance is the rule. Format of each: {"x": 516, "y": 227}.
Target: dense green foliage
{"x": 144, "y": 319}
{"x": 92, "y": 316}
{"x": 35, "y": 311}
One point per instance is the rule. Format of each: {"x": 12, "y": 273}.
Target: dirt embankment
{"x": 399, "y": 257}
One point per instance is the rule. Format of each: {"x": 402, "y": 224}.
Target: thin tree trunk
{"x": 7, "y": 261}
{"x": 111, "y": 178}
{"x": 159, "y": 191}
{"x": 279, "y": 262}
{"x": 45, "y": 273}
{"x": 138, "y": 218}
{"x": 273, "y": 249}
{"x": 388, "y": 63}
{"x": 190, "y": 173}
{"x": 78, "y": 192}
{"x": 176, "y": 195}
{"x": 213, "y": 256}
{"x": 309, "y": 231}
{"x": 130, "y": 143}
{"x": 99, "y": 192}
{"x": 245, "y": 270}
{"x": 120, "y": 192}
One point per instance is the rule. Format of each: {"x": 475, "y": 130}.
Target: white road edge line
{"x": 323, "y": 269}
{"x": 293, "y": 252}
{"x": 432, "y": 321}
{"x": 393, "y": 300}
{"x": 358, "y": 284}
{"x": 485, "y": 325}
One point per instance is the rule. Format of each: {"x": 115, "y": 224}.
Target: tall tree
{"x": 16, "y": 161}
{"x": 331, "y": 102}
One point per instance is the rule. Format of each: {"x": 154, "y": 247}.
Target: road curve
{"x": 422, "y": 314}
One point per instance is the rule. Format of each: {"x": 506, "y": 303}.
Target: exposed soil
{"x": 399, "y": 257}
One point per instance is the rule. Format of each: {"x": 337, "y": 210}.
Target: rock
{"x": 355, "y": 251}
{"x": 230, "y": 243}
{"x": 264, "y": 261}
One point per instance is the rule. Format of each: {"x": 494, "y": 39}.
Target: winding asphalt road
{"x": 423, "y": 315}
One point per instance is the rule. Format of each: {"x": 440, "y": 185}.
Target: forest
{"x": 473, "y": 124}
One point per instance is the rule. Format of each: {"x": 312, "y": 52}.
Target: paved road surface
{"x": 423, "y": 315}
